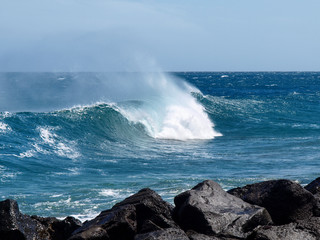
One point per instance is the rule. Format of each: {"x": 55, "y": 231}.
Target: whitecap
{"x": 61, "y": 147}
{"x": 46, "y": 135}
{"x": 4, "y": 127}
{"x": 69, "y": 172}
{"x": 110, "y": 193}
{"x": 27, "y": 154}
{"x": 173, "y": 113}
{"x": 6, "y": 175}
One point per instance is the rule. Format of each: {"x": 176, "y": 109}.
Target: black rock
{"x": 285, "y": 232}
{"x": 93, "y": 233}
{"x": 286, "y": 201}
{"x": 151, "y": 211}
{"x": 314, "y": 187}
{"x": 15, "y": 225}
{"x": 199, "y": 236}
{"x": 209, "y": 210}
{"x": 140, "y": 213}
{"x": 311, "y": 225}
{"x": 59, "y": 229}
{"x": 165, "y": 234}
{"x": 117, "y": 223}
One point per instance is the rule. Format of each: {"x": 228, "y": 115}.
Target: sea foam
{"x": 171, "y": 112}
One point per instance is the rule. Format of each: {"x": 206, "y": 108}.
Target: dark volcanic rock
{"x": 165, "y": 234}
{"x": 15, "y": 225}
{"x": 152, "y": 212}
{"x": 209, "y": 210}
{"x": 284, "y": 232}
{"x": 59, "y": 229}
{"x": 142, "y": 212}
{"x": 198, "y": 236}
{"x": 94, "y": 233}
{"x": 118, "y": 223}
{"x": 314, "y": 187}
{"x": 311, "y": 225}
{"x": 286, "y": 201}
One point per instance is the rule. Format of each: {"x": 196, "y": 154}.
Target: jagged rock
{"x": 312, "y": 225}
{"x": 198, "y": 236}
{"x": 15, "y": 225}
{"x": 94, "y": 233}
{"x": 59, "y": 229}
{"x": 286, "y": 201}
{"x": 165, "y": 234}
{"x": 284, "y": 232}
{"x": 140, "y": 213}
{"x": 152, "y": 212}
{"x": 209, "y": 210}
{"x": 314, "y": 187}
{"x": 117, "y": 223}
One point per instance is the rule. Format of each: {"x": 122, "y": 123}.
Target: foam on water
{"x": 61, "y": 146}
{"x": 4, "y": 127}
{"x": 173, "y": 113}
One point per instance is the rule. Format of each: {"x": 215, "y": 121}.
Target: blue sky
{"x": 189, "y": 35}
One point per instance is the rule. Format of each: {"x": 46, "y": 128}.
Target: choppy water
{"x": 76, "y": 143}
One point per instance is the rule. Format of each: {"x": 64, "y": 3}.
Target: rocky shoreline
{"x": 270, "y": 210}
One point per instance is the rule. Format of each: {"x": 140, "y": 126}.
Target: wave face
{"x": 77, "y": 143}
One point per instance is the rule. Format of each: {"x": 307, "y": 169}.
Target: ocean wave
{"x": 157, "y": 104}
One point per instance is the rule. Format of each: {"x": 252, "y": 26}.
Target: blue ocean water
{"x": 76, "y": 143}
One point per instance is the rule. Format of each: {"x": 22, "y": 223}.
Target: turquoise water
{"x": 76, "y": 143}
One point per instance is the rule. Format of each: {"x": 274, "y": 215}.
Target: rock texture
{"x": 286, "y": 201}
{"x": 59, "y": 229}
{"x": 285, "y": 232}
{"x": 208, "y": 209}
{"x": 314, "y": 187}
{"x": 307, "y": 229}
{"x": 165, "y": 234}
{"x": 15, "y": 226}
{"x": 205, "y": 212}
{"x": 140, "y": 214}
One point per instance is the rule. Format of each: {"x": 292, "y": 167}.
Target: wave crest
{"x": 173, "y": 113}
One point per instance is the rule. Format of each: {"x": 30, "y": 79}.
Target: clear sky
{"x": 172, "y": 35}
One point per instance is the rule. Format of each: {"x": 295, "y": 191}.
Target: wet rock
{"x": 286, "y": 201}
{"x": 151, "y": 211}
{"x": 314, "y": 187}
{"x": 164, "y": 234}
{"x": 118, "y": 223}
{"x": 198, "y": 236}
{"x": 311, "y": 225}
{"x": 284, "y": 232}
{"x": 59, "y": 229}
{"x": 15, "y": 225}
{"x": 93, "y": 233}
{"x": 209, "y": 210}
{"x": 140, "y": 213}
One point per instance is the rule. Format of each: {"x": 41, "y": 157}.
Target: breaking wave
{"x": 156, "y": 104}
